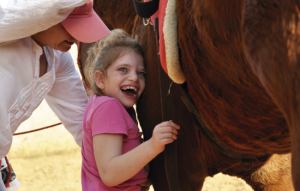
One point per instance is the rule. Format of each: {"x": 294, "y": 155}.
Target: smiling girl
{"x": 113, "y": 155}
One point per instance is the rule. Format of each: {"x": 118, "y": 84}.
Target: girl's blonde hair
{"x": 104, "y": 52}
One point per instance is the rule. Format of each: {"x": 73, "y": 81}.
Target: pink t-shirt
{"x": 106, "y": 115}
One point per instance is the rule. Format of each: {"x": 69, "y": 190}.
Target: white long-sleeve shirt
{"x": 21, "y": 88}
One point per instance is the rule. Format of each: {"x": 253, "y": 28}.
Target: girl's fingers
{"x": 174, "y": 125}
{"x": 167, "y": 141}
{"x": 165, "y": 123}
{"x": 169, "y": 123}
{"x": 165, "y": 132}
{"x": 168, "y": 129}
{"x": 168, "y": 135}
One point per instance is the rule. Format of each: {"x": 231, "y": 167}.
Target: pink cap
{"x": 85, "y": 25}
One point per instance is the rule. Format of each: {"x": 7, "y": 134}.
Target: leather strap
{"x": 211, "y": 137}
{"x": 146, "y": 9}
{"x": 167, "y": 103}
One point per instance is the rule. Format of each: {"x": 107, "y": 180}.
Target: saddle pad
{"x": 168, "y": 39}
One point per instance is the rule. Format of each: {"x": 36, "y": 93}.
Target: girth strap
{"x": 167, "y": 103}
{"x": 211, "y": 137}
{"x": 170, "y": 149}
{"x": 146, "y": 9}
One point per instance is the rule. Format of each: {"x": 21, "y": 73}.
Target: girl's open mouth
{"x": 129, "y": 91}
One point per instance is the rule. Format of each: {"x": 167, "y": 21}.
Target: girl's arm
{"x": 115, "y": 167}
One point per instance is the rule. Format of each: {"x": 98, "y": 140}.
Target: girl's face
{"x": 124, "y": 79}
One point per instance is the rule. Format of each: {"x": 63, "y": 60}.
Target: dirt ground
{"x": 50, "y": 160}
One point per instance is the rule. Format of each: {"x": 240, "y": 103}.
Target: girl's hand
{"x": 164, "y": 133}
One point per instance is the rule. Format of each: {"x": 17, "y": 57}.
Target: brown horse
{"x": 229, "y": 96}
{"x": 272, "y": 41}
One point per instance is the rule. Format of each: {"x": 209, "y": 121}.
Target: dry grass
{"x": 50, "y": 160}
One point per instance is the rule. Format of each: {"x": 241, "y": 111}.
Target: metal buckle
{"x": 147, "y": 21}
{"x": 247, "y": 161}
{"x": 263, "y": 158}
{"x": 169, "y": 91}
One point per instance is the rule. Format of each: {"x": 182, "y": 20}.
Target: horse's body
{"x": 272, "y": 42}
{"x": 231, "y": 99}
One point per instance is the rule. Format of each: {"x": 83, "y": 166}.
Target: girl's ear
{"x": 99, "y": 79}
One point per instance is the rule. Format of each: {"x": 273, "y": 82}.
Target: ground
{"x": 50, "y": 160}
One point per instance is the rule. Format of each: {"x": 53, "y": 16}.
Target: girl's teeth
{"x": 133, "y": 88}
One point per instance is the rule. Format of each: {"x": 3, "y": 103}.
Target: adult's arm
{"x": 6, "y": 89}
{"x": 67, "y": 98}
{"x": 23, "y": 18}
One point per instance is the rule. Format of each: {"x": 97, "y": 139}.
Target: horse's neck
{"x": 116, "y": 14}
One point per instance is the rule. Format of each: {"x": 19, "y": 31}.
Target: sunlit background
{"x": 50, "y": 160}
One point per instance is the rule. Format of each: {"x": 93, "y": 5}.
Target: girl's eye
{"x": 142, "y": 74}
{"x": 123, "y": 69}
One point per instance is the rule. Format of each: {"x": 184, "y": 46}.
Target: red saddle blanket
{"x": 161, "y": 13}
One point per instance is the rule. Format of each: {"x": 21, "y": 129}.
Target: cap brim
{"x": 86, "y": 29}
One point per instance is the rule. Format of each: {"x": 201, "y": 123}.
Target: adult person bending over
{"x": 35, "y": 37}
